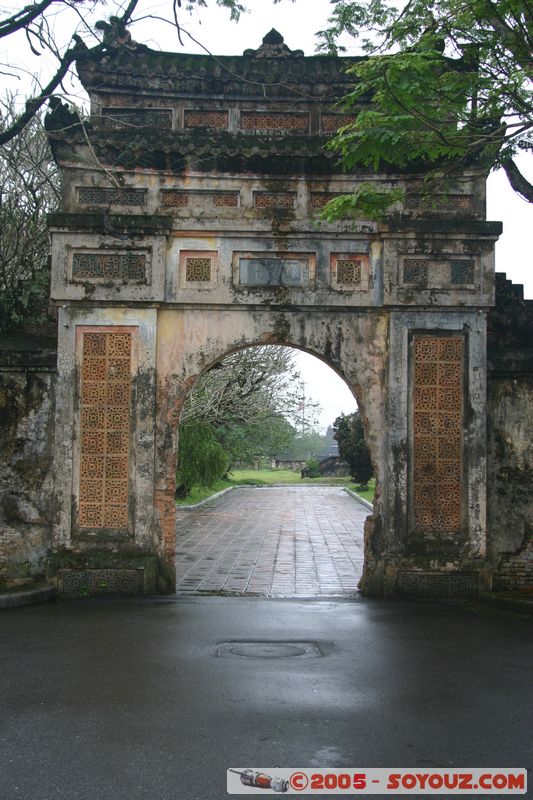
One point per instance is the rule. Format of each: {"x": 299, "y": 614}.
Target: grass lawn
{"x": 199, "y": 493}
{"x": 366, "y": 494}
{"x": 264, "y": 477}
{"x": 268, "y": 477}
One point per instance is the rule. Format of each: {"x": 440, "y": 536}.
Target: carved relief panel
{"x": 105, "y": 422}
{"x": 350, "y": 271}
{"x": 425, "y": 272}
{"x": 437, "y": 433}
{"x": 198, "y": 269}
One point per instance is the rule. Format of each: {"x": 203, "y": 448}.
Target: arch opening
{"x": 291, "y": 520}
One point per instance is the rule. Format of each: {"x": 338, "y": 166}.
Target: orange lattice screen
{"x": 105, "y": 428}
{"x": 437, "y": 429}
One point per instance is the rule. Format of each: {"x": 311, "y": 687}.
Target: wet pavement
{"x": 135, "y": 699}
{"x": 294, "y": 541}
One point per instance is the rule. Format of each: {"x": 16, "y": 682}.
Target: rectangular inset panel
{"x": 80, "y": 583}
{"x": 427, "y": 272}
{"x": 319, "y": 199}
{"x": 450, "y": 203}
{"x": 274, "y": 199}
{"x": 415, "y": 272}
{"x": 109, "y": 196}
{"x": 127, "y": 266}
{"x": 209, "y": 120}
{"x": 275, "y": 122}
{"x": 198, "y": 268}
{"x": 350, "y": 271}
{"x": 176, "y": 198}
{"x": 330, "y": 123}
{"x": 462, "y": 272}
{"x": 114, "y": 117}
{"x": 226, "y": 199}
{"x": 104, "y": 429}
{"x": 438, "y": 586}
{"x": 266, "y": 271}
{"x": 437, "y": 433}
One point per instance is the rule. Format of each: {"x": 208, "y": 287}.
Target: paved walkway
{"x": 273, "y": 541}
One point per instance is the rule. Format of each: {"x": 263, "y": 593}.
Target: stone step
{"x": 27, "y": 595}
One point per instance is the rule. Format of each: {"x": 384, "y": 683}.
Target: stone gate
{"x": 189, "y": 230}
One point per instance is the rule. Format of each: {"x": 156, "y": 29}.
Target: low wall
{"x": 510, "y": 467}
{"x": 27, "y": 409}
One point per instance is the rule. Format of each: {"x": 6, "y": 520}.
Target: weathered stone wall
{"x": 510, "y": 437}
{"x": 27, "y": 408}
{"x": 510, "y": 469}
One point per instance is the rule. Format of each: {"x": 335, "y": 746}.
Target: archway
{"x": 188, "y": 344}
{"x": 192, "y": 258}
{"x": 280, "y": 534}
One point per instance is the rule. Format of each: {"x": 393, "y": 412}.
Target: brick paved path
{"x": 287, "y": 541}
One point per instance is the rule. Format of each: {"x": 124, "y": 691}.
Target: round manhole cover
{"x": 268, "y": 649}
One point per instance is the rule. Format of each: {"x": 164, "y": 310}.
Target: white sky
{"x": 298, "y": 23}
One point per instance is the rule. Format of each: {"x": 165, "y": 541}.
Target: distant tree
{"x": 29, "y": 190}
{"x": 312, "y": 468}
{"x": 248, "y": 402}
{"x": 252, "y": 385}
{"x": 248, "y": 442}
{"x": 201, "y": 459}
{"x": 350, "y": 434}
{"x": 252, "y": 399}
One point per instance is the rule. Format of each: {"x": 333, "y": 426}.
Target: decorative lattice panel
{"x": 437, "y": 433}
{"x": 137, "y": 118}
{"x": 99, "y": 196}
{"x": 212, "y": 120}
{"x": 330, "y": 123}
{"x": 226, "y": 199}
{"x": 462, "y": 272}
{"x": 104, "y": 429}
{"x": 172, "y": 198}
{"x": 427, "y": 586}
{"x": 274, "y": 199}
{"x": 175, "y": 198}
{"x": 272, "y": 122}
{"x": 349, "y": 271}
{"x": 439, "y": 202}
{"x": 415, "y": 272}
{"x": 112, "y": 266}
{"x": 319, "y": 199}
{"x": 197, "y": 269}
{"x": 82, "y": 583}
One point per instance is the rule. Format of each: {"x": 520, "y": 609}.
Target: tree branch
{"x": 35, "y": 103}
{"x": 519, "y": 183}
{"x": 24, "y": 17}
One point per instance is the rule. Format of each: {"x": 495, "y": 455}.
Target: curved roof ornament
{"x": 273, "y": 46}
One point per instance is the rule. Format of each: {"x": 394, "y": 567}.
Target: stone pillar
{"x": 103, "y": 538}
{"x": 436, "y": 512}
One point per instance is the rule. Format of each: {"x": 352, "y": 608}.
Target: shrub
{"x": 201, "y": 459}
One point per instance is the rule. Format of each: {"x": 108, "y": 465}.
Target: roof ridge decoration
{"x": 273, "y": 46}
{"x": 117, "y": 35}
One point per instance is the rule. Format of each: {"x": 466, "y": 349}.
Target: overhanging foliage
{"x": 451, "y": 88}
